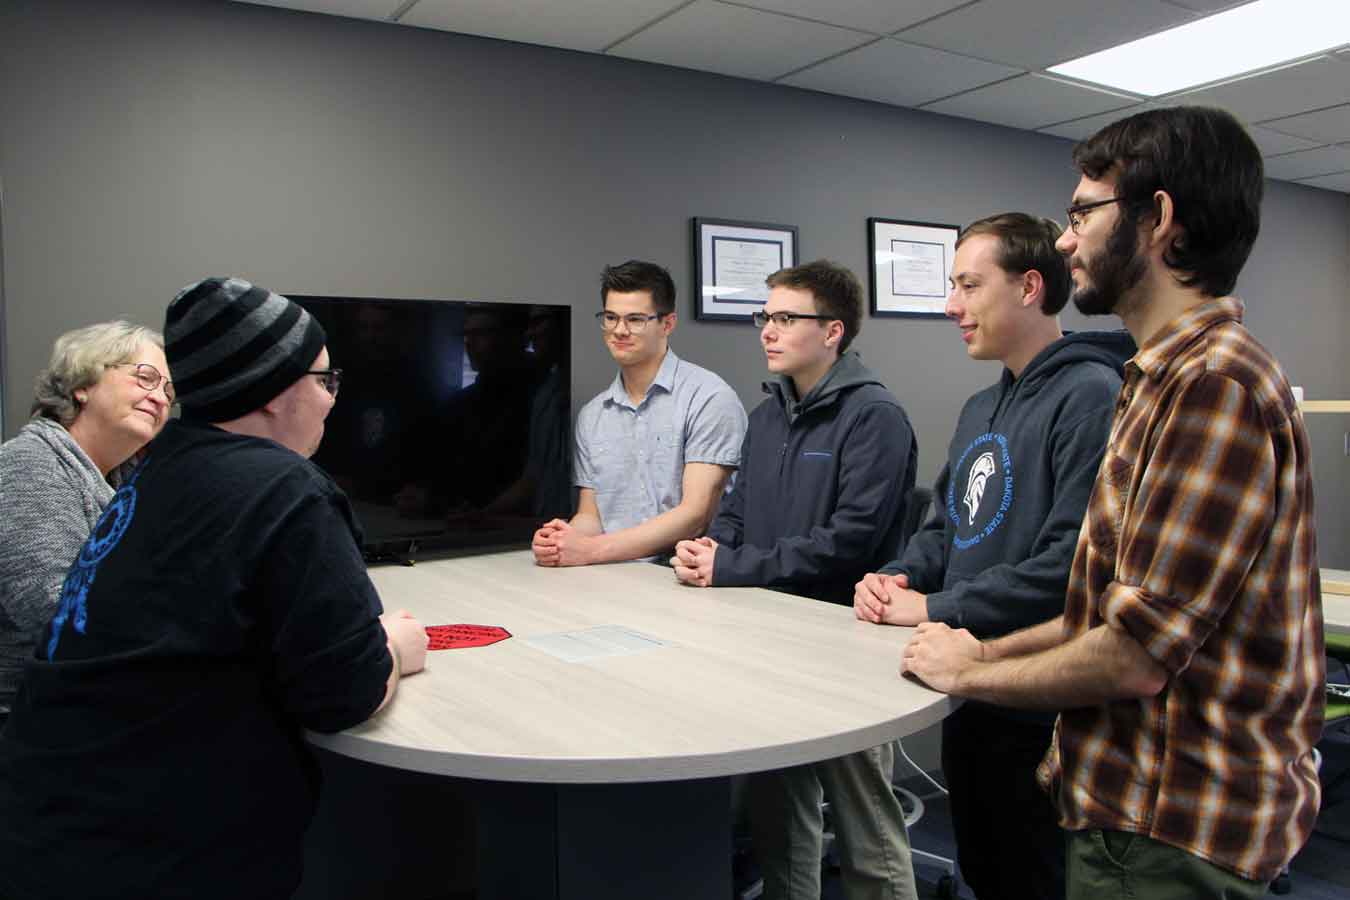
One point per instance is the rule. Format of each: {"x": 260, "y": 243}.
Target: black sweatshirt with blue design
{"x": 995, "y": 555}
{"x": 219, "y": 608}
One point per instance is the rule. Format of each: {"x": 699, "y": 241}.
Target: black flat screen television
{"x": 452, "y": 421}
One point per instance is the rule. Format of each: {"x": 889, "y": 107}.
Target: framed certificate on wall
{"x": 910, "y": 265}
{"x": 731, "y": 261}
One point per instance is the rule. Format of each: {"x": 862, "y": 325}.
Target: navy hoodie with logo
{"x": 1008, "y": 504}
{"x": 819, "y": 498}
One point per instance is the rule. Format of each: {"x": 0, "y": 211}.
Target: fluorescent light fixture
{"x": 1256, "y": 36}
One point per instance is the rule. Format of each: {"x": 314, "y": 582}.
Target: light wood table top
{"x": 1336, "y": 601}
{"x": 753, "y": 679}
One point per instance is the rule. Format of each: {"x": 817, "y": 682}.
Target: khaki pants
{"x": 869, "y": 826}
{"x": 1104, "y": 865}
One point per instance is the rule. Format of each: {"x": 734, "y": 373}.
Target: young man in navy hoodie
{"x": 1008, "y": 505}
{"x": 827, "y": 462}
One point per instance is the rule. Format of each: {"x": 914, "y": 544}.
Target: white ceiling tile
{"x": 1268, "y": 142}
{"x": 877, "y": 16}
{"x": 1034, "y": 34}
{"x": 1307, "y": 163}
{"x": 1326, "y": 126}
{"x": 358, "y": 9}
{"x": 1031, "y": 101}
{"x": 733, "y": 40}
{"x": 1081, "y": 129}
{"x": 577, "y": 24}
{"x": 903, "y": 74}
{"x": 1271, "y": 143}
{"x": 1338, "y": 182}
{"x": 1314, "y": 84}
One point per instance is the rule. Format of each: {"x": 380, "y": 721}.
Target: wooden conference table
{"x": 609, "y": 775}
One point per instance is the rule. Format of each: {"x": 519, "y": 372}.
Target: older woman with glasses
{"x": 103, "y": 396}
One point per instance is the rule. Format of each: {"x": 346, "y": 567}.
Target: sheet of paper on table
{"x": 595, "y": 643}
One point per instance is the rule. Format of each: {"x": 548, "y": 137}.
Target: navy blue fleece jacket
{"x": 1008, "y": 504}
{"x": 819, "y": 498}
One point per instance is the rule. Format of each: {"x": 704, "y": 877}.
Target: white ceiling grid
{"x": 979, "y": 59}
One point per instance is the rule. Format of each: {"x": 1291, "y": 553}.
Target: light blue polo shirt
{"x": 633, "y": 456}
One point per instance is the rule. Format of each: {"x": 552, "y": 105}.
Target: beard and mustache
{"x": 1112, "y": 272}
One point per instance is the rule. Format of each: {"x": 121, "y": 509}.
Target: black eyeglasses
{"x": 1075, "y": 212}
{"x": 636, "y": 322}
{"x": 783, "y": 319}
{"x": 149, "y": 378}
{"x": 332, "y": 379}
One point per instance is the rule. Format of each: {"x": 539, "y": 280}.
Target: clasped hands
{"x": 888, "y": 600}
{"x": 559, "y": 543}
{"x": 937, "y": 654}
{"x": 693, "y": 561}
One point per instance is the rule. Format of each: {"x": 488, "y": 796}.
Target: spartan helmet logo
{"x": 980, "y": 471}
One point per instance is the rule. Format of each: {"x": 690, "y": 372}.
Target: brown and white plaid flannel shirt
{"x": 1199, "y": 542}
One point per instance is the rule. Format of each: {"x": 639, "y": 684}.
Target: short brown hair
{"x": 836, "y": 291}
{"x": 1027, "y": 242}
{"x": 636, "y": 275}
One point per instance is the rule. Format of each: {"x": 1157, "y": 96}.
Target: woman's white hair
{"x": 79, "y": 359}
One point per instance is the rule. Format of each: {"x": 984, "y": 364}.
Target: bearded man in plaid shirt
{"x": 1188, "y": 666}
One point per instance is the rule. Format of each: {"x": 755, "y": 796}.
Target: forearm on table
{"x": 656, "y": 535}
{"x": 1099, "y": 666}
{"x": 1026, "y": 641}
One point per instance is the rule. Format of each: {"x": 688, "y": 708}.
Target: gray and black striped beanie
{"x": 232, "y": 347}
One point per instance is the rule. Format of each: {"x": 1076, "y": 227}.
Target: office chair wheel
{"x": 946, "y": 888}
{"x": 1281, "y": 884}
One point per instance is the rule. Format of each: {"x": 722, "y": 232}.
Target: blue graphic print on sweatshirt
{"x": 984, "y": 468}
{"x": 108, "y": 531}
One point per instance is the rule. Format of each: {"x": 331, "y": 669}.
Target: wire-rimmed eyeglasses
{"x": 1075, "y": 212}
{"x": 148, "y": 378}
{"x": 636, "y": 322}
{"x": 783, "y": 319}
{"x": 331, "y": 379}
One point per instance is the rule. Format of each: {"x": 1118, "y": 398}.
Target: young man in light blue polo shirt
{"x": 655, "y": 450}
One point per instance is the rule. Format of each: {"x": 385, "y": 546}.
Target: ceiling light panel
{"x": 1256, "y": 36}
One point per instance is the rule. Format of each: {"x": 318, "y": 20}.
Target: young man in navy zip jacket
{"x": 1008, "y": 505}
{"x": 827, "y": 462}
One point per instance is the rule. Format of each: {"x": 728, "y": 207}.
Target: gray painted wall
{"x": 147, "y": 144}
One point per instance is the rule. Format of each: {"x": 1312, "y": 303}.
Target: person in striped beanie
{"x": 219, "y": 608}
{"x": 233, "y": 348}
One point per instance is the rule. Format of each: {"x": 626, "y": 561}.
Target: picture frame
{"x": 910, "y": 263}
{"x": 731, "y": 260}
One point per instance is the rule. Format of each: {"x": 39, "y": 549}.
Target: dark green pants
{"x": 1104, "y": 865}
